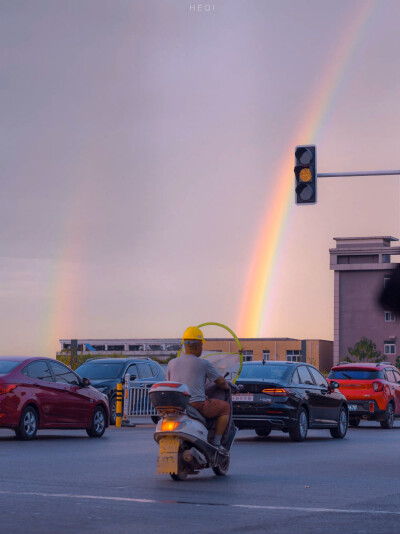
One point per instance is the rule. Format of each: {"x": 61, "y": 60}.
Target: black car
{"x": 105, "y": 373}
{"x": 288, "y": 396}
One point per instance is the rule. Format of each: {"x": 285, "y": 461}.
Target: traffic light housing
{"x": 305, "y": 171}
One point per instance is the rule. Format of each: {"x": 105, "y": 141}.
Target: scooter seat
{"x": 194, "y": 414}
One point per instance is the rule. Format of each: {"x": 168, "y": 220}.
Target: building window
{"x": 386, "y": 279}
{"x": 136, "y": 348}
{"x": 99, "y": 347}
{"x": 385, "y": 258}
{"x": 247, "y": 355}
{"x": 116, "y": 348}
{"x": 154, "y": 348}
{"x": 266, "y": 355}
{"x": 174, "y": 347}
{"x": 293, "y": 355}
{"x": 389, "y": 347}
{"x": 389, "y": 317}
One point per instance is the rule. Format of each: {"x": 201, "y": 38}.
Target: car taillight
{"x": 6, "y": 388}
{"x": 277, "y": 392}
{"x": 371, "y": 407}
{"x": 169, "y": 425}
{"x": 378, "y": 386}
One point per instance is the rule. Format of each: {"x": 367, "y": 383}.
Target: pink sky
{"x": 140, "y": 145}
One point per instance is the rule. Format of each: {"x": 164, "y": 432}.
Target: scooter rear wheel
{"x": 222, "y": 468}
{"x": 182, "y": 472}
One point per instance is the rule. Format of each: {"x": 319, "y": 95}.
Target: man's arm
{"x": 222, "y": 383}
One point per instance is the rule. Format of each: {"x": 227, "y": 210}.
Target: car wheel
{"x": 97, "y": 424}
{"x": 113, "y": 410}
{"x": 354, "y": 421}
{"x": 28, "y": 424}
{"x": 389, "y": 417}
{"x": 340, "y": 431}
{"x": 299, "y": 432}
{"x": 263, "y": 432}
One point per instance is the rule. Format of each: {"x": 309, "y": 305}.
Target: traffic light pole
{"x": 366, "y": 173}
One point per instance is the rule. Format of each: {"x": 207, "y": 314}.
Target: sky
{"x": 147, "y": 152}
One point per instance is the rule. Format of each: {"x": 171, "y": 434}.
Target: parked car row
{"x": 42, "y": 393}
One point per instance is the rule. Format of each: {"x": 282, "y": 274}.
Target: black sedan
{"x": 288, "y": 396}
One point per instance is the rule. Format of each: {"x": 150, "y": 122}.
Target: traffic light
{"x": 305, "y": 171}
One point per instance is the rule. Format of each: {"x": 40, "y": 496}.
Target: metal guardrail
{"x": 136, "y": 401}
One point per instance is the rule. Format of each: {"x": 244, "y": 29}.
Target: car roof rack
{"x": 383, "y": 363}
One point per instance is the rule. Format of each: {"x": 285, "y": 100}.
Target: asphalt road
{"x": 64, "y": 482}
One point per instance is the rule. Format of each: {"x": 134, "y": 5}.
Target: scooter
{"x": 184, "y": 435}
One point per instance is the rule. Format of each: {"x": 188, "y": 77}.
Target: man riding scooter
{"x": 193, "y": 371}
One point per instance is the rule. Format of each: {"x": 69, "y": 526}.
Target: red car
{"x": 372, "y": 391}
{"x": 39, "y": 393}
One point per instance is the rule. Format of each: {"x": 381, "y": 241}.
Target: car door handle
{"x": 324, "y": 391}
{"x": 392, "y": 387}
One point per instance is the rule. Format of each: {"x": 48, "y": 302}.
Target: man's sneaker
{"x": 223, "y": 451}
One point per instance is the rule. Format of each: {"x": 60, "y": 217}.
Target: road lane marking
{"x": 156, "y": 501}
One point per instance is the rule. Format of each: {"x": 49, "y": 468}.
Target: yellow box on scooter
{"x": 167, "y": 462}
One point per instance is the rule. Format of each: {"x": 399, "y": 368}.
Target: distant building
{"x": 315, "y": 351}
{"x": 362, "y": 266}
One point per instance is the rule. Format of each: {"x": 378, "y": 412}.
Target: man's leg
{"x": 220, "y": 426}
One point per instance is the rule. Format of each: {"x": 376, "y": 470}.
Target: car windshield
{"x": 355, "y": 374}
{"x": 100, "y": 370}
{"x": 7, "y": 365}
{"x": 268, "y": 371}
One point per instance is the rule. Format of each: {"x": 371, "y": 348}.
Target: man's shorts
{"x": 212, "y": 408}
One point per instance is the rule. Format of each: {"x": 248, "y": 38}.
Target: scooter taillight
{"x": 167, "y": 426}
{"x": 378, "y": 386}
{"x": 276, "y": 392}
{"x": 163, "y": 384}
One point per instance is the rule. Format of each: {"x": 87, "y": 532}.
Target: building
{"x": 315, "y": 351}
{"x": 362, "y": 266}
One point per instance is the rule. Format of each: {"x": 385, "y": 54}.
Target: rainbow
{"x": 255, "y": 300}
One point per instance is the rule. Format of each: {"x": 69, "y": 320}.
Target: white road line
{"x": 155, "y": 501}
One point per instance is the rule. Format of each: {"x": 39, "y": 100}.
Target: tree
{"x": 365, "y": 351}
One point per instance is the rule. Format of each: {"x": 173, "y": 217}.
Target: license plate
{"x": 167, "y": 461}
{"x": 353, "y": 407}
{"x": 242, "y": 398}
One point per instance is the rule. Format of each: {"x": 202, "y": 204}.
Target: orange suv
{"x": 372, "y": 391}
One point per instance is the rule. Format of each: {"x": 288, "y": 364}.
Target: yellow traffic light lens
{"x": 305, "y": 175}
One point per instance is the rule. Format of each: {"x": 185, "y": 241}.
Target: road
{"x": 64, "y": 482}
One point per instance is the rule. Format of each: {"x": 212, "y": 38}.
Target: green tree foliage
{"x": 365, "y": 351}
{"x": 65, "y": 357}
{"x": 398, "y": 362}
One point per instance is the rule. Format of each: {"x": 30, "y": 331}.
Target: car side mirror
{"x": 86, "y": 382}
{"x": 334, "y": 385}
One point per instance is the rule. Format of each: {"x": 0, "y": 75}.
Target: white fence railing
{"x": 136, "y": 401}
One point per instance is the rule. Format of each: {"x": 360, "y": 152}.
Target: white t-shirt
{"x": 192, "y": 371}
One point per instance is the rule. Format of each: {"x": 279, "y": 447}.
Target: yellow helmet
{"x": 192, "y": 333}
